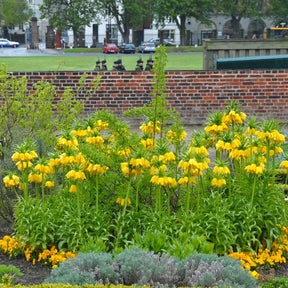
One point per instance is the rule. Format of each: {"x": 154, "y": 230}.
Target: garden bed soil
{"x": 33, "y": 274}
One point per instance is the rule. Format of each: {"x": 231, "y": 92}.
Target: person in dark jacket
{"x": 139, "y": 66}
{"x": 115, "y": 66}
{"x": 121, "y": 67}
{"x": 98, "y": 66}
{"x": 104, "y": 65}
{"x": 149, "y": 65}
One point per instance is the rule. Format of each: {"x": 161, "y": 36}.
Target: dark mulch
{"x": 36, "y": 274}
{"x": 33, "y": 274}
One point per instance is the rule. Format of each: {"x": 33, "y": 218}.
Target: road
{"x": 23, "y": 51}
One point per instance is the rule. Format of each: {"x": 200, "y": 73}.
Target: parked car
{"x": 146, "y": 48}
{"x": 110, "y": 48}
{"x": 8, "y": 43}
{"x": 127, "y": 48}
{"x": 156, "y": 41}
{"x": 168, "y": 42}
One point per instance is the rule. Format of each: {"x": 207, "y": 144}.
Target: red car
{"x": 110, "y": 48}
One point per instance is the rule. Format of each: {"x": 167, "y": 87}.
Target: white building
{"x": 106, "y": 30}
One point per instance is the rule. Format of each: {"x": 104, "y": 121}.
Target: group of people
{"x": 149, "y": 65}
{"x": 100, "y": 67}
{"x": 118, "y": 66}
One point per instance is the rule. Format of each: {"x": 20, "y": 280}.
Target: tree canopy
{"x": 277, "y": 10}
{"x": 179, "y": 10}
{"x": 69, "y": 14}
{"x": 128, "y": 14}
{"x": 15, "y": 12}
{"x": 237, "y": 9}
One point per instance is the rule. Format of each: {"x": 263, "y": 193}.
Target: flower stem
{"x": 188, "y": 198}
{"x": 168, "y": 201}
{"x": 253, "y": 192}
{"x": 97, "y": 193}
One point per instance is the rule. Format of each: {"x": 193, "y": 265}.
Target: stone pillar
{"x": 50, "y": 38}
{"x": 34, "y": 33}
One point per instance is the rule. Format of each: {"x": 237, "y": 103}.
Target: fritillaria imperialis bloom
{"x": 255, "y": 169}
{"x": 11, "y": 181}
{"x": 218, "y": 182}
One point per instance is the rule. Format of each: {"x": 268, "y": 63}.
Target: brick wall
{"x": 194, "y": 94}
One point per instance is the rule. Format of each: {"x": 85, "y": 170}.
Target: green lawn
{"x": 86, "y": 63}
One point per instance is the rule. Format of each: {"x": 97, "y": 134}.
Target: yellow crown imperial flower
{"x": 254, "y": 169}
{"x": 284, "y": 165}
{"x": 218, "y": 182}
{"x": 184, "y": 180}
{"x": 98, "y": 140}
{"x": 24, "y": 156}
{"x": 122, "y": 201}
{"x": 125, "y": 153}
{"x": 54, "y": 162}
{"x": 251, "y": 131}
{"x": 148, "y": 143}
{"x": 10, "y": 181}
{"x": 23, "y": 165}
{"x": 73, "y": 189}
{"x": 101, "y": 125}
{"x": 81, "y": 133}
{"x": 76, "y": 175}
{"x": 96, "y": 169}
{"x": 37, "y": 178}
{"x": 221, "y": 170}
{"x": 49, "y": 184}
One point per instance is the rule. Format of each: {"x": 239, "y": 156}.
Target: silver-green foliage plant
{"x": 139, "y": 267}
{"x": 212, "y": 270}
{"x": 86, "y": 268}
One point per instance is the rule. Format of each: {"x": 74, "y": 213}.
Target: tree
{"x": 69, "y": 14}
{"x": 179, "y": 10}
{"x": 237, "y": 9}
{"x": 127, "y": 13}
{"x": 15, "y": 12}
{"x": 277, "y": 10}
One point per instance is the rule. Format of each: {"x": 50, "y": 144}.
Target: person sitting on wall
{"x": 139, "y": 66}
{"x": 104, "y": 65}
{"x": 121, "y": 67}
{"x": 115, "y": 66}
{"x": 149, "y": 65}
{"x": 98, "y": 66}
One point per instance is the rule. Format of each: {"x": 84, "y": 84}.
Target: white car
{"x": 146, "y": 48}
{"x": 8, "y": 44}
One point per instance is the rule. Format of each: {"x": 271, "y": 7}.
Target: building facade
{"x": 106, "y": 30}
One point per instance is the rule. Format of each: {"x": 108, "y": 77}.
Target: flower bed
{"x": 104, "y": 188}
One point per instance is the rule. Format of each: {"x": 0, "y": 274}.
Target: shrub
{"x": 86, "y": 268}
{"x": 212, "y": 270}
{"x": 277, "y": 283}
{"x": 7, "y": 274}
{"x": 139, "y": 267}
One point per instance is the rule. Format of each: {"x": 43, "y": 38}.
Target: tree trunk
{"x": 75, "y": 36}
{"x": 182, "y": 28}
{"x": 236, "y": 26}
{"x": 125, "y": 34}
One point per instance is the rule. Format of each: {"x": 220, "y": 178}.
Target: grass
{"x": 87, "y": 63}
